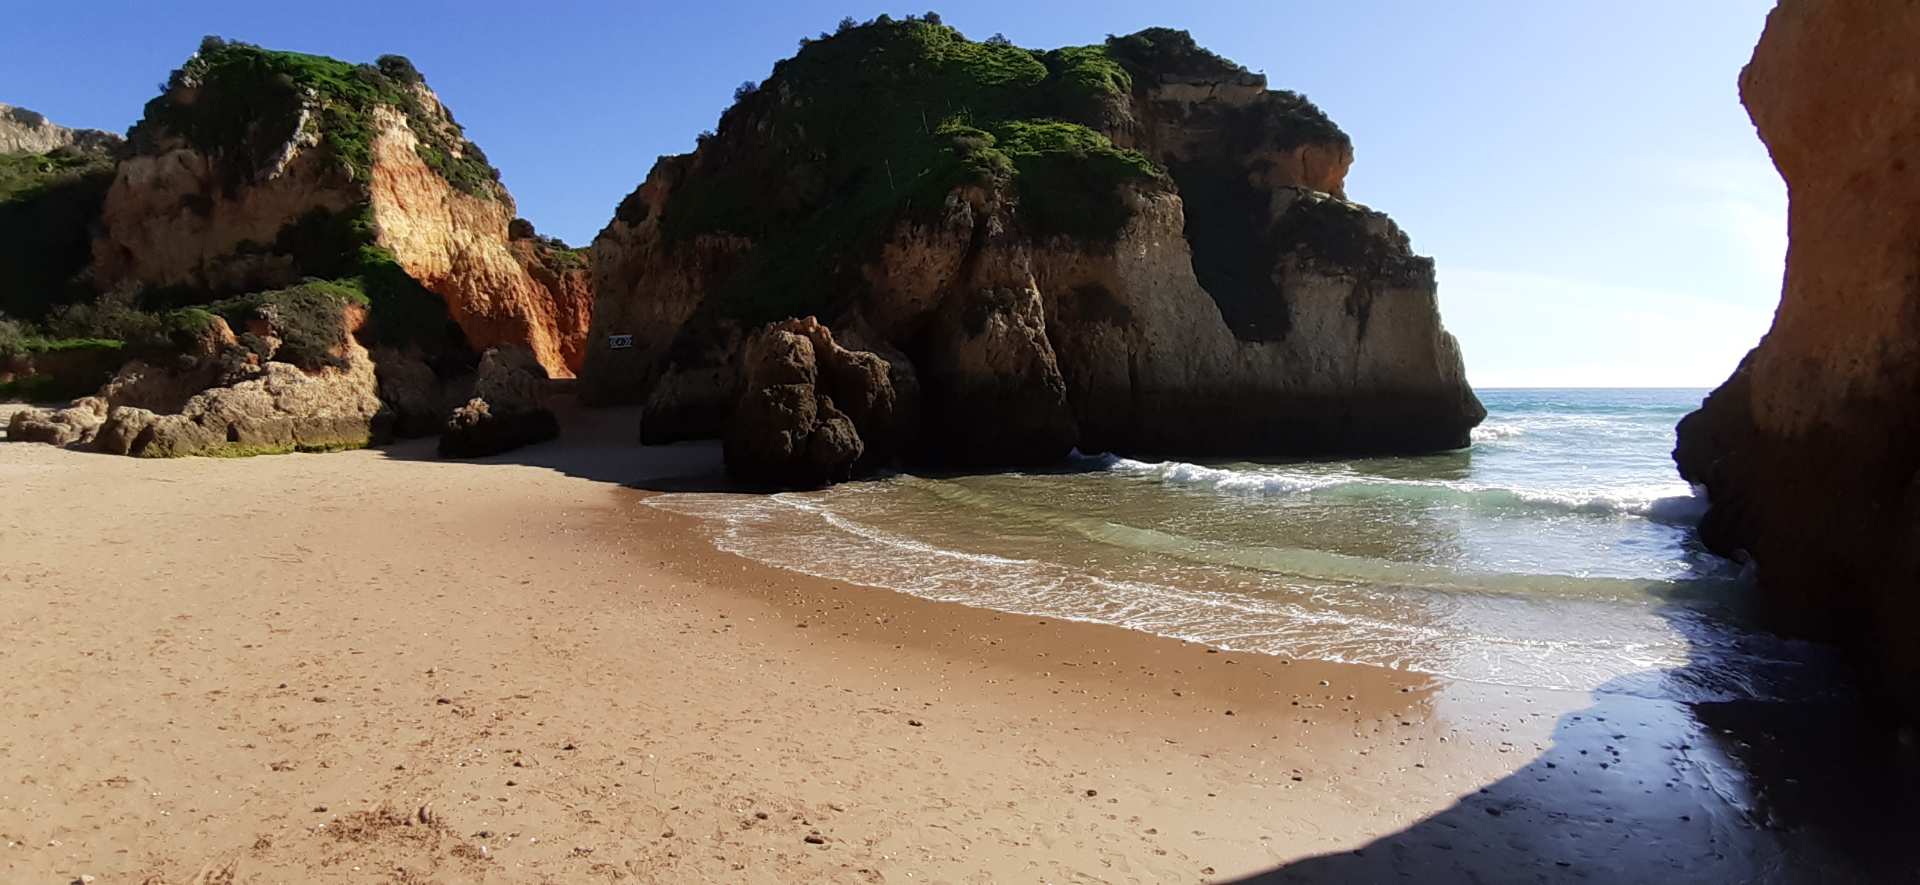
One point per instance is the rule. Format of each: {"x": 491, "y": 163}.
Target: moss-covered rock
{"x": 1133, "y": 245}
{"x": 882, "y": 121}
{"x": 244, "y": 105}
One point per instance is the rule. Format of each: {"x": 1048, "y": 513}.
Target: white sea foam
{"x": 1490, "y": 431}
{"x": 1668, "y": 503}
{"x": 1562, "y": 642}
{"x": 1227, "y": 481}
{"x": 1545, "y": 558}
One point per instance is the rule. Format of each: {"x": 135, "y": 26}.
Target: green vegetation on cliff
{"x": 243, "y": 104}
{"x": 881, "y": 122}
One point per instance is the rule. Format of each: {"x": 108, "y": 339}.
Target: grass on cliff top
{"x": 242, "y": 103}
{"x": 880, "y": 122}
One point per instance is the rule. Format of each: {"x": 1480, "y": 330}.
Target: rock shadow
{"x": 1639, "y": 788}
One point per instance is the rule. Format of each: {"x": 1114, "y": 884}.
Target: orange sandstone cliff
{"x": 256, "y": 168}
{"x": 1811, "y": 450}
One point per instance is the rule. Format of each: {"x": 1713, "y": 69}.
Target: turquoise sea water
{"x": 1558, "y": 551}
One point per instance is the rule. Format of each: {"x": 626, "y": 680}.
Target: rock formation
{"x": 25, "y": 132}
{"x": 224, "y": 399}
{"x": 1809, "y": 451}
{"x": 812, "y": 411}
{"x": 283, "y": 191}
{"x": 255, "y": 168}
{"x": 508, "y": 409}
{"x": 1133, "y": 246}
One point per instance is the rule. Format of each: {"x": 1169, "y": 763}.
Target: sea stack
{"x": 1132, "y": 246}
{"x": 1811, "y": 450}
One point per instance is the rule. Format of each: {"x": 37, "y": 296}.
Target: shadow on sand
{"x": 1641, "y": 789}
{"x": 601, "y": 445}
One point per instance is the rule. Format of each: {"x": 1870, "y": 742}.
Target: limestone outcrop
{"x": 261, "y": 393}
{"x": 249, "y": 406}
{"x": 813, "y": 411}
{"x": 508, "y": 409}
{"x": 26, "y": 132}
{"x": 75, "y": 425}
{"x": 1160, "y": 260}
{"x": 1809, "y": 451}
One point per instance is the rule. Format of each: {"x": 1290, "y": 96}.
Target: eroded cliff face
{"x": 456, "y": 245}
{"x": 1241, "y": 306}
{"x": 1809, "y": 451}
{"x": 262, "y": 213}
{"x": 171, "y": 218}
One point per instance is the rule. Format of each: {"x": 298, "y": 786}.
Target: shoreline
{"x": 206, "y": 651}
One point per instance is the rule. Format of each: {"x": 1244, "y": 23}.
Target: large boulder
{"x": 1134, "y": 247}
{"x": 476, "y": 430}
{"x": 122, "y": 430}
{"x": 75, "y": 425}
{"x": 1810, "y": 452}
{"x": 508, "y": 410}
{"x": 812, "y": 412}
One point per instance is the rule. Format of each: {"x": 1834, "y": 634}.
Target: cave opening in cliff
{"x": 1226, "y": 226}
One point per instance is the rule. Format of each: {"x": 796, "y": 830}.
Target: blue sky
{"x": 1598, "y": 205}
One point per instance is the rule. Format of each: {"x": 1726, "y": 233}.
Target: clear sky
{"x": 1598, "y": 205}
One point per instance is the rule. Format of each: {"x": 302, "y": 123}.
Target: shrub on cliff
{"x": 118, "y": 317}
{"x": 308, "y": 318}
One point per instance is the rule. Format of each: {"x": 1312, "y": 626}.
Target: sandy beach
{"x": 377, "y": 666}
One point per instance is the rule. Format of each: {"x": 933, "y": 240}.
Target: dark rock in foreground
{"x": 813, "y": 411}
{"x": 508, "y": 410}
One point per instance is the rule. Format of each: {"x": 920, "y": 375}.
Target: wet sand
{"x": 374, "y": 666}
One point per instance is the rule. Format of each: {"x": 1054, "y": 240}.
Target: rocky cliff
{"x": 1809, "y": 450}
{"x": 1130, "y": 246}
{"x": 26, "y": 132}
{"x": 255, "y": 168}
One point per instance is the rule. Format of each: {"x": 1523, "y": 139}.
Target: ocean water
{"x": 1558, "y": 551}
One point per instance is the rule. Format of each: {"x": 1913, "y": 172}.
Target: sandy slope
{"x": 372, "y": 666}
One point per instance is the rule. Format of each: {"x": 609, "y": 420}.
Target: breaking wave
{"x": 1656, "y": 504}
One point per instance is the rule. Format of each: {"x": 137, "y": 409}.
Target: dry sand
{"x": 373, "y": 666}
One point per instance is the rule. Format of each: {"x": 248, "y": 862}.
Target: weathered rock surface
{"x": 813, "y": 411}
{"x": 245, "y": 217}
{"x": 1241, "y": 306}
{"x": 1811, "y": 450}
{"x": 508, "y": 409}
{"x": 25, "y": 132}
{"x": 220, "y": 399}
{"x": 456, "y": 245}
{"x": 283, "y": 409}
{"x": 75, "y": 425}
